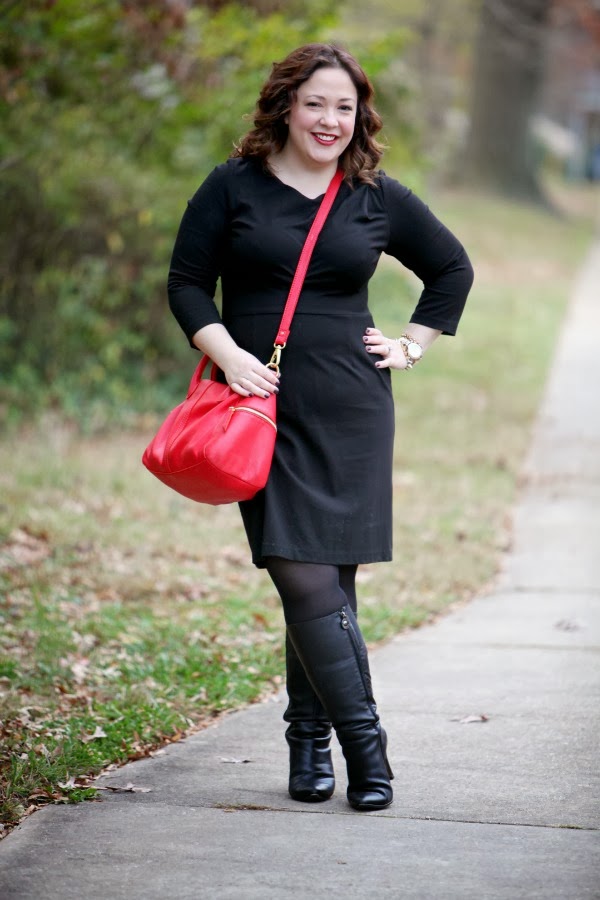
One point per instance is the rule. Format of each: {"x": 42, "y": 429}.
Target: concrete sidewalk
{"x": 505, "y": 808}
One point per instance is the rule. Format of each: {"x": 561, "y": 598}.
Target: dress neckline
{"x": 295, "y": 190}
{"x": 269, "y": 174}
{"x": 266, "y": 173}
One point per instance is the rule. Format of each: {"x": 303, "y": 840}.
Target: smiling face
{"x": 321, "y": 119}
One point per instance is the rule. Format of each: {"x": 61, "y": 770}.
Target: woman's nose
{"x": 329, "y": 118}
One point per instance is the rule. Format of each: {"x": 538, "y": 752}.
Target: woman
{"x": 327, "y": 505}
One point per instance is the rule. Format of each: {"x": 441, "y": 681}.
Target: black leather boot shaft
{"x": 335, "y": 658}
{"x": 308, "y": 735}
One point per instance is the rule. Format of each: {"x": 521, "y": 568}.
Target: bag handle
{"x": 199, "y": 372}
{"x": 302, "y": 267}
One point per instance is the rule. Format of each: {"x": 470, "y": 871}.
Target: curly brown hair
{"x": 270, "y": 131}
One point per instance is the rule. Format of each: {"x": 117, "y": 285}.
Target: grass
{"x": 129, "y": 616}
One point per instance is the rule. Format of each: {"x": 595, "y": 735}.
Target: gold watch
{"x": 412, "y": 349}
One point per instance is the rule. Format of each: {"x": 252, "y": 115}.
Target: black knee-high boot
{"x": 308, "y": 736}
{"x": 334, "y": 656}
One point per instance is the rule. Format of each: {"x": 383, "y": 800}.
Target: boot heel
{"x": 385, "y": 757}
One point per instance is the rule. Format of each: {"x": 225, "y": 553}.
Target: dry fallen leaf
{"x": 68, "y": 785}
{"x": 568, "y": 625}
{"x": 468, "y": 720}
{"x": 124, "y": 789}
{"x": 98, "y": 733}
{"x": 79, "y": 668}
{"x": 24, "y": 549}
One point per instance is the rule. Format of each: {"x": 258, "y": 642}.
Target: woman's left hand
{"x": 391, "y": 353}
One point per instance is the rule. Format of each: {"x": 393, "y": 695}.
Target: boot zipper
{"x": 346, "y": 625}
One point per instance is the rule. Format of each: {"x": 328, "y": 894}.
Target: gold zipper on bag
{"x": 254, "y": 412}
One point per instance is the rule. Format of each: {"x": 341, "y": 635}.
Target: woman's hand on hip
{"x": 391, "y": 353}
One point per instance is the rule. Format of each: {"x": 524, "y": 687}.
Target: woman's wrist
{"x": 422, "y": 334}
{"x": 216, "y": 342}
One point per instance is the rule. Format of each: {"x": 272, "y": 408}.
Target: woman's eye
{"x": 346, "y": 109}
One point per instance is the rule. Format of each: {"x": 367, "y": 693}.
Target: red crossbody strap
{"x": 307, "y": 250}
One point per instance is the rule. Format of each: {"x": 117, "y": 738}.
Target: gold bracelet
{"x": 413, "y": 351}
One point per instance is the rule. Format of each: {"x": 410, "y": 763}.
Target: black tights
{"x": 312, "y": 590}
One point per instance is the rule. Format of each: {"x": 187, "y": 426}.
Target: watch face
{"x": 414, "y": 350}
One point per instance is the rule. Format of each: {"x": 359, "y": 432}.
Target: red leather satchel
{"x": 217, "y": 446}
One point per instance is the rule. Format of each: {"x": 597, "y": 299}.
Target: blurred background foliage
{"x": 113, "y": 112}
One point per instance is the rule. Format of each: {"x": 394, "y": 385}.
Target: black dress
{"x": 329, "y": 494}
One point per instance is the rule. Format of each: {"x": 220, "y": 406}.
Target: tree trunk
{"x": 508, "y": 74}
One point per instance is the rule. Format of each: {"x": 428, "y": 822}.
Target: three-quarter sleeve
{"x": 197, "y": 256}
{"x": 425, "y": 246}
